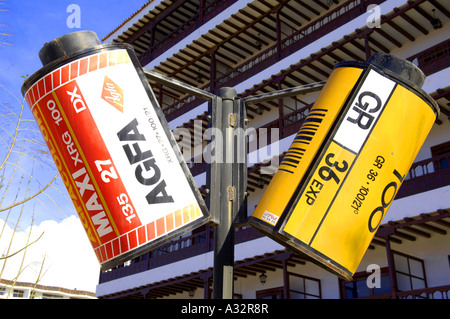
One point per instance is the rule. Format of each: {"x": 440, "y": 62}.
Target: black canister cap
{"x": 67, "y": 45}
{"x": 400, "y": 68}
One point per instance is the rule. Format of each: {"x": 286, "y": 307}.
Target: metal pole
{"x": 224, "y": 232}
{"x": 158, "y": 77}
{"x": 285, "y": 93}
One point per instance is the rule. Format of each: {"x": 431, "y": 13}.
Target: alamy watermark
{"x": 261, "y": 145}
{"x": 374, "y": 279}
{"x": 374, "y": 18}
{"x": 74, "y": 18}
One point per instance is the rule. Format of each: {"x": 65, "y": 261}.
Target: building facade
{"x": 10, "y": 289}
{"x": 262, "y": 46}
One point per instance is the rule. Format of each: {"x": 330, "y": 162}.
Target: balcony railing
{"x": 296, "y": 40}
{"x": 433, "y": 59}
{"x": 441, "y": 292}
{"x": 176, "y": 250}
{"x": 205, "y": 13}
{"x": 426, "y": 175}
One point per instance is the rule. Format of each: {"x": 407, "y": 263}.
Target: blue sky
{"x": 32, "y": 23}
{"x": 65, "y": 245}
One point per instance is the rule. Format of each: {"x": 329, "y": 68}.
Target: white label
{"x": 269, "y": 217}
{"x": 364, "y": 111}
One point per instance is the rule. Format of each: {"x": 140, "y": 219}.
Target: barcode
{"x": 304, "y": 137}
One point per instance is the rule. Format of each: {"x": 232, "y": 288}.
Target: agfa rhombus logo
{"x": 112, "y": 93}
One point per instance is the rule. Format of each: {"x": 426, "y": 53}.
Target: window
{"x": 358, "y": 288}
{"x": 410, "y": 272}
{"x": 303, "y": 287}
{"x": 441, "y": 150}
{"x": 299, "y": 287}
{"x": 17, "y": 293}
{"x": 273, "y": 293}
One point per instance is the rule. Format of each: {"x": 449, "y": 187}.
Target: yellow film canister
{"x": 347, "y": 162}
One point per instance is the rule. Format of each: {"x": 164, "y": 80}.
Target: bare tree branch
{"x": 22, "y": 249}
{"x": 31, "y": 197}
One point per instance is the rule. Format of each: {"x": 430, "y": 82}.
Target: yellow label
{"x": 305, "y": 145}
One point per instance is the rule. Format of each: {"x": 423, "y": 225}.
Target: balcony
{"x": 180, "y": 249}
{"x": 169, "y": 22}
{"x": 426, "y": 175}
{"x": 433, "y": 59}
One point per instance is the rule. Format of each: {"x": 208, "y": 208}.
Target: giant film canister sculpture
{"x": 347, "y": 162}
{"x": 112, "y": 146}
